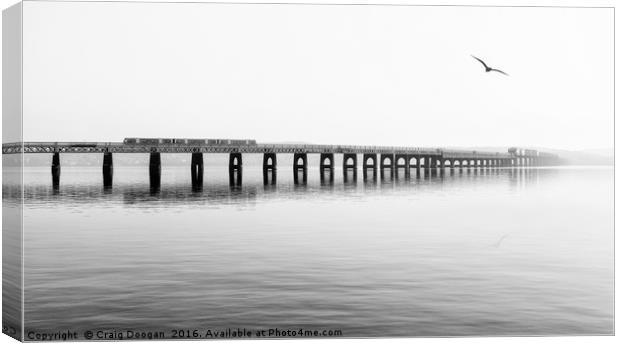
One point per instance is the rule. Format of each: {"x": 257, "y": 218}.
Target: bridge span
{"x": 388, "y": 160}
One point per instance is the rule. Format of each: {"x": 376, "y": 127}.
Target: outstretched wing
{"x": 499, "y": 71}
{"x": 481, "y": 61}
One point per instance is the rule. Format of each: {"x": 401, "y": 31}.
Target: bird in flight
{"x": 496, "y": 245}
{"x": 487, "y": 68}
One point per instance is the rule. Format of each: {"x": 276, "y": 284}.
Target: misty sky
{"x": 375, "y": 75}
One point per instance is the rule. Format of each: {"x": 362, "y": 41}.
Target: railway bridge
{"x": 383, "y": 160}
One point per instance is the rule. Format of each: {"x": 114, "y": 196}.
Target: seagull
{"x": 496, "y": 245}
{"x": 487, "y": 68}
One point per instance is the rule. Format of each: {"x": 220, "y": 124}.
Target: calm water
{"x": 501, "y": 252}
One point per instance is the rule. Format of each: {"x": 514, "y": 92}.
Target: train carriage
{"x": 189, "y": 142}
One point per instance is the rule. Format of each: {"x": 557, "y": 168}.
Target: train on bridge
{"x": 189, "y": 141}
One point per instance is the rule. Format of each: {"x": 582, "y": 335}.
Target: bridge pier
{"x": 405, "y": 165}
{"x": 155, "y": 170}
{"x": 235, "y": 169}
{"x": 366, "y": 166}
{"x": 327, "y": 164}
{"x": 428, "y": 161}
{"x": 435, "y": 162}
{"x": 56, "y": 170}
{"x": 197, "y": 170}
{"x": 389, "y": 164}
{"x": 300, "y": 162}
{"x": 108, "y": 170}
{"x": 270, "y": 166}
{"x": 346, "y": 166}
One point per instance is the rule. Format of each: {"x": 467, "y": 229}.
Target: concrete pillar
{"x": 56, "y": 170}
{"x": 235, "y": 169}
{"x": 270, "y": 166}
{"x": 417, "y": 164}
{"x": 435, "y": 161}
{"x": 197, "y": 170}
{"x": 300, "y": 163}
{"x": 155, "y": 170}
{"x": 367, "y": 166}
{"x": 428, "y": 162}
{"x": 108, "y": 169}
{"x": 326, "y": 164}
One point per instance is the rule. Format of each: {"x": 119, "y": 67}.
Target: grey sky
{"x": 321, "y": 74}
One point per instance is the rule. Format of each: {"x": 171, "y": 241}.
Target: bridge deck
{"x": 116, "y": 147}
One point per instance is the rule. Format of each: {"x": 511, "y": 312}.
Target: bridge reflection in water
{"x": 138, "y": 194}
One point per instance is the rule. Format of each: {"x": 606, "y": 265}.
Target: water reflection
{"x": 235, "y": 191}
{"x": 401, "y": 256}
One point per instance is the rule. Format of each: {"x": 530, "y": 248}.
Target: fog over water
{"x": 471, "y": 252}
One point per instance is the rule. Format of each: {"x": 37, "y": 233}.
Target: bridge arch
{"x": 349, "y": 160}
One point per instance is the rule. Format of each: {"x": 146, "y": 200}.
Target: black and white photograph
{"x": 307, "y": 170}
